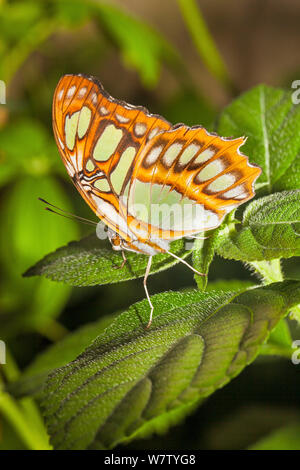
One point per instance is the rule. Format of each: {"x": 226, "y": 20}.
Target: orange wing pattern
{"x": 98, "y": 138}
{"x": 120, "y": 156}
{"x": 190, "y": 166}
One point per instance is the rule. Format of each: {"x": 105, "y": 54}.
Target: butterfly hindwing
{"x": 199, "y": 175}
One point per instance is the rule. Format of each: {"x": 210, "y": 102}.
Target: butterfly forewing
{"x": 99, "y": 138}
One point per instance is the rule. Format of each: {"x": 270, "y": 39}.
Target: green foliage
{"x": 285, "y": 438}
{"x": 204, "y": 250}
{"x": 17, "y": 18}
{"x": 25, "y": 27}
{"x": 270, "y": 226}
{"x": 31, "y": 63}
{"x": 203, "y": 40}
{"x": 108, "y": 380}
{"x": 28, "y": 233}
{"x": 127, "y": 379}
{"x": 143, "y": 49}
{"x": 57, "y": 355}
{"x": 33, "y": 159}
{"x": 280, "y": 341}
{"x": 87, "y": 263}
{"x": 270, "y": 120}
{"x": 270, "y": 229}
{"x": 129, "y": 382}
{"x": 71, "y": 14}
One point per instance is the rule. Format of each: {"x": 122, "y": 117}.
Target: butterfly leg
{"x": 194, "y": 237}
{"x": 146, "y": 290}
{"x": 123, "y": 262}
{"x": 184, "y": 262}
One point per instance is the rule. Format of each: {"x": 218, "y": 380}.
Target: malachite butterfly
{"x": 150, "y": 182}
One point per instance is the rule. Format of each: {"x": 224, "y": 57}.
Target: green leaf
{"x": 204, "y": 41}
{"x": 132, "y": 382}
{"x": 203, "y": 253}
{"x": 271, "y": 121}
{"x": 279, "y": 342}
{"x": 9, "y": 439}
{"x": 141, "y": 46}
{"x": 26, "y": 26}
{"x": 234, "y": 285}
{"x": 17, "y": 18}
{"x": 57, "y": 355}
{"x": 285, "y": 438}
{"x": 270, "y": 229}
{"x": 16, "y": 416}
{"x": 71, "y": 14}
{"x": 88, "y": 263}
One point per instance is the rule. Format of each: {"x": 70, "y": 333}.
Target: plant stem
{"x": 276, "y": 350}
{"x": 54, "y": 331}
{"x": 204, "y": 42}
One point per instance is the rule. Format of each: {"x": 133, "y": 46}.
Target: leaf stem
{"x": 270, "y": 349}
{"x": 204, "y": 42}
{"x": 54, "y": 331}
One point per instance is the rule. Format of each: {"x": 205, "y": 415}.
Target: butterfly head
{"x": 116, "y": 241}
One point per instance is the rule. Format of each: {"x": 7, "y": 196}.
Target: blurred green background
{"x": 184, "y": 59}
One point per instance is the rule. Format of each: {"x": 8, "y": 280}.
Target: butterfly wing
{"x": 185, "y": 181}
{"x": 98, "y": 138}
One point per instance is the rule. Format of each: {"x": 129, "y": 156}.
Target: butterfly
{"x": 150, "y": 182}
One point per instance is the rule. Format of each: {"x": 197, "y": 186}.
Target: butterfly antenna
{"x": 68, "y": 214}
{"x": 187, "y": 264}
